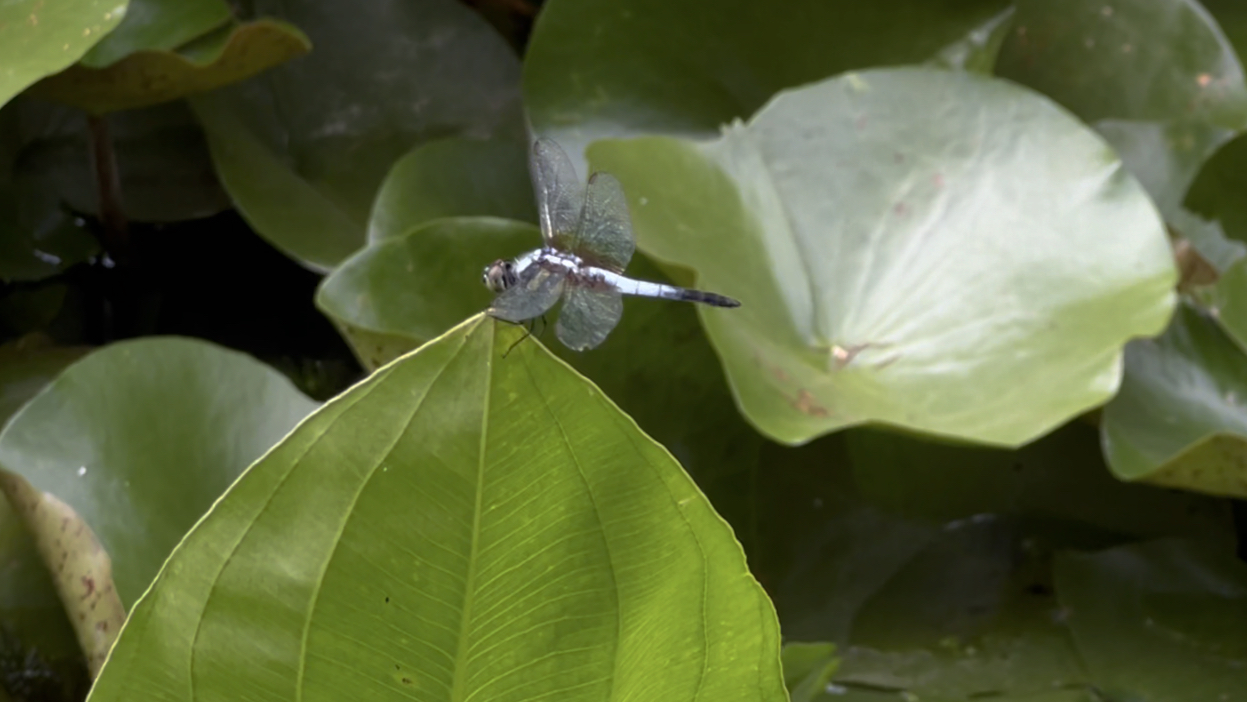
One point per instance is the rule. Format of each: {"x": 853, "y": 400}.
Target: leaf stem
{"x": 116, "y": 232}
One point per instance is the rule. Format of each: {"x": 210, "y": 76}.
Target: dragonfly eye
{"x": 498, "y": 276}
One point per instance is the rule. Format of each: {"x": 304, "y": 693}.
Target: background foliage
{"x": 979, "y": 427}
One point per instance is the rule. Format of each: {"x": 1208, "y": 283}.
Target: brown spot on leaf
{"x": 806, "y": 404}
{"x": 777, "y": 372}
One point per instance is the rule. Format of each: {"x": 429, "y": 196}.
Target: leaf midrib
{"x": 457, "y": 689}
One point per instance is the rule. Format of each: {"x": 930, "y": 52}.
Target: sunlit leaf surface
{"x": 909, "y": 272}
{"x": 460, "y": 525}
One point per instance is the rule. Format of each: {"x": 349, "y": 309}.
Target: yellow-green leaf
{"x": 148, "y": 77}
{"x": 458, "y": 526}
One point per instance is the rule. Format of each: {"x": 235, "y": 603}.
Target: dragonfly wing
{"x": 604, "y": 237}
{"x": 534, "y": 293}
{"x": 588, "y": 316}
{"x": 560, "y": 197}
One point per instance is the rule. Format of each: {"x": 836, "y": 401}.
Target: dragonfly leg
{"x": 529, "y": 328}
{"x": 528, "y": 331}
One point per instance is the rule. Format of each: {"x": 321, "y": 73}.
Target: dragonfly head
{"x": 499, "y": 275}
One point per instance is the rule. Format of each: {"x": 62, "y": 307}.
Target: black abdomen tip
{"x": 709, "y": 298}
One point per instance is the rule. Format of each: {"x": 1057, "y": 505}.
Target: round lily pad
{"x": 974, "y": 273}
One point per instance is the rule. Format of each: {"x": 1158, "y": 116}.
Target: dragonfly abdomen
{"x": 643, "y": 288}
{"x": 705, "y": 298}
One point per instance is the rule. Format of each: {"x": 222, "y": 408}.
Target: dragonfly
{"x": 586, "y": 243}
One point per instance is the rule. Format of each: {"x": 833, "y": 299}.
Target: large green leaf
{"x": 914, "y": 272}
{"x": 1179, "y": 419}
{"x": 38, "y": 38}
{"x": 1157, "y": 78}
{"x": 303, "y": 149}
{"x": 454, "y": 177}
{"x": 151, "y": 76}
{"x": 460, "y": 525}
{"x": 615, "y": 68}
{"x": 1158, "y": 621}
{"x": 141, "y": 437}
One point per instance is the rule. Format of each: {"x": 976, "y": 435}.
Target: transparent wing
{"x": 560, "y": 196}
{"x": 604, "y": 237}
{"x": 588, "y": 316}
{"x": 535, "y": 292}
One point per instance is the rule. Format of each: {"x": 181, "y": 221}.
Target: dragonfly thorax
{"x": 502, "y": 274}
